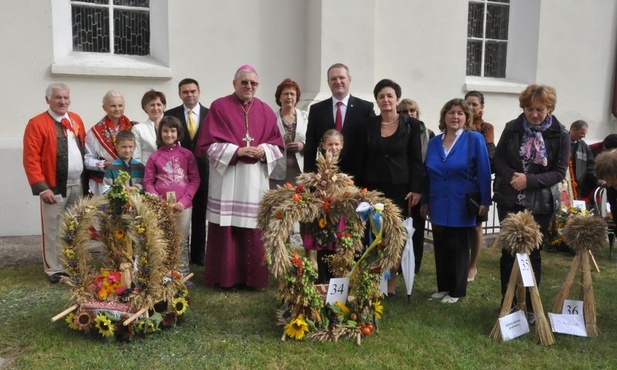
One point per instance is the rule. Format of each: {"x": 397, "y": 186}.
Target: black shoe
{"x": 531, "y": 318}
{"x": 55, "y": 278}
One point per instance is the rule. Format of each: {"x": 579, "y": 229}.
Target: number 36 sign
{"x": 338, "y": 290}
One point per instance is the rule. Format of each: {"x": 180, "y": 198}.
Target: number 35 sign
{"x": 338, "y": 290}
{"x": 526, "y": 270}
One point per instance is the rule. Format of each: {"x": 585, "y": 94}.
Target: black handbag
{"x": 472, "y": 200}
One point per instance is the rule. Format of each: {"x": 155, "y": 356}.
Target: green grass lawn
{"x": 237, "y": 330}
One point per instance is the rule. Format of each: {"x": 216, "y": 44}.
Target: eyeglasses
{"x": 247, "y": 83}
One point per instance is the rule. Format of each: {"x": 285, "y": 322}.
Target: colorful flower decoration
{"x": 108, "y": 283}
{"x": 555, "y": 236}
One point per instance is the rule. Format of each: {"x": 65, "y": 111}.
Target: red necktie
{"x": 339, "y": 116}
{"x": 66, "y": 125}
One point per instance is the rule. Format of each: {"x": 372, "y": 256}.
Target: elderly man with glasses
{"x": 243, "y": 142}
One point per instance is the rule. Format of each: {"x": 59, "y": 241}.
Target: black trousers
{"x": 323, "y": 271}
{"x": 198, "y": 226}
{"x": 507, "y": 260}
{"x": 452, "y": 258}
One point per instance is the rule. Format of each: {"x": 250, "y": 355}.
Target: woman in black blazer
{"x": 387, "y": 155}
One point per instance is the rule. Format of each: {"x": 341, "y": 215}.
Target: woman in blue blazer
{"x": 457, "y": 163}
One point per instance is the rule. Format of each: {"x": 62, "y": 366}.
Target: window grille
{"x": 111, "y": 26}
{"x": 487, "y": 38}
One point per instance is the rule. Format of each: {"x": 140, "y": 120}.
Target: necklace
{"x": 391, "y": 122}
{"x": 286, "y": 121}
{"x": 247, "y": 138}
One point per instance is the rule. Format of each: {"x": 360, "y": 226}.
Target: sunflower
{"x": 104, "y": 324}
{"x": 184, "y": 292}
{"x": 83, "y": 320}
{"x": 296, "y": 328}
{"x": 70, "y": 320}
{"x": 323, "y": 223}
{"x": 142, "y": 328}
{"x": 180, "y": 305}
{"x": 378, "y": 309}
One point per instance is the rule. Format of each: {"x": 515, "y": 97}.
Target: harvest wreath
{"x": 329, "y": 200}
{"x": 134, "y": 288}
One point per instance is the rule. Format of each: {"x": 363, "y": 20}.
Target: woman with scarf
{"x": 530, "y": 162}
{"x": 100, "y": 148}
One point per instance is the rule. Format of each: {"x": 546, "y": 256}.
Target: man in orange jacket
{"x": 53, "y": 160}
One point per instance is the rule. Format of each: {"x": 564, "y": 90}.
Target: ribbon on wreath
{"x": 372, "y": 214}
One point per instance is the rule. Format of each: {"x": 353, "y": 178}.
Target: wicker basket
{"x": 323, "y": 290}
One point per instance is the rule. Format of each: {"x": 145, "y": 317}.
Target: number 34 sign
{"x": 338, "y": 290}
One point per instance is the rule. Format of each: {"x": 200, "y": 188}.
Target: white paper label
{"x": 338, "y": 290}
{"x": 526, "y": 271}
{"x": 568, "y": 324}
{"x": 513, "y": 325}
{"x": 572, "y": 307}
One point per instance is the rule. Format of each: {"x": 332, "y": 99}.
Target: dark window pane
{"x": 474, "y": 58}
{"x": 132, "y": 32}
{"x": 501, "y": 1}
{"x": 93, "y": 1}
{"x": 475, "y": 20}
{"x": 495, "y": 59}
{"x": 140, "y": 3}
{"x": 497, "y": 20}
{"x": 90, "y": 29}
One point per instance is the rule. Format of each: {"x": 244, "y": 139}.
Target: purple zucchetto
{"x": 247, "y": 67}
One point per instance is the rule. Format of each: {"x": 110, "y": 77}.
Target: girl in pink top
{"x": 172, "y": 174}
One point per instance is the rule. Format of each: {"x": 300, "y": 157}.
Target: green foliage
{"x": 237, "y": 330}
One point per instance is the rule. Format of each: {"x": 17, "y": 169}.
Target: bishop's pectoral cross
{"x": 248, "y": 139}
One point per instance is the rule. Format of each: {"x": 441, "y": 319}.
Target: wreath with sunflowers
{"x": 134, "y": 287}
{"x": 327, "y": 201}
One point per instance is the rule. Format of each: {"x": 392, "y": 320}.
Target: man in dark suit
{"x": 341, "y": 112}
{"x": 192, "y": 115}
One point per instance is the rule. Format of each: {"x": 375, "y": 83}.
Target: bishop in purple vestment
{"x": 243, "y": 143}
